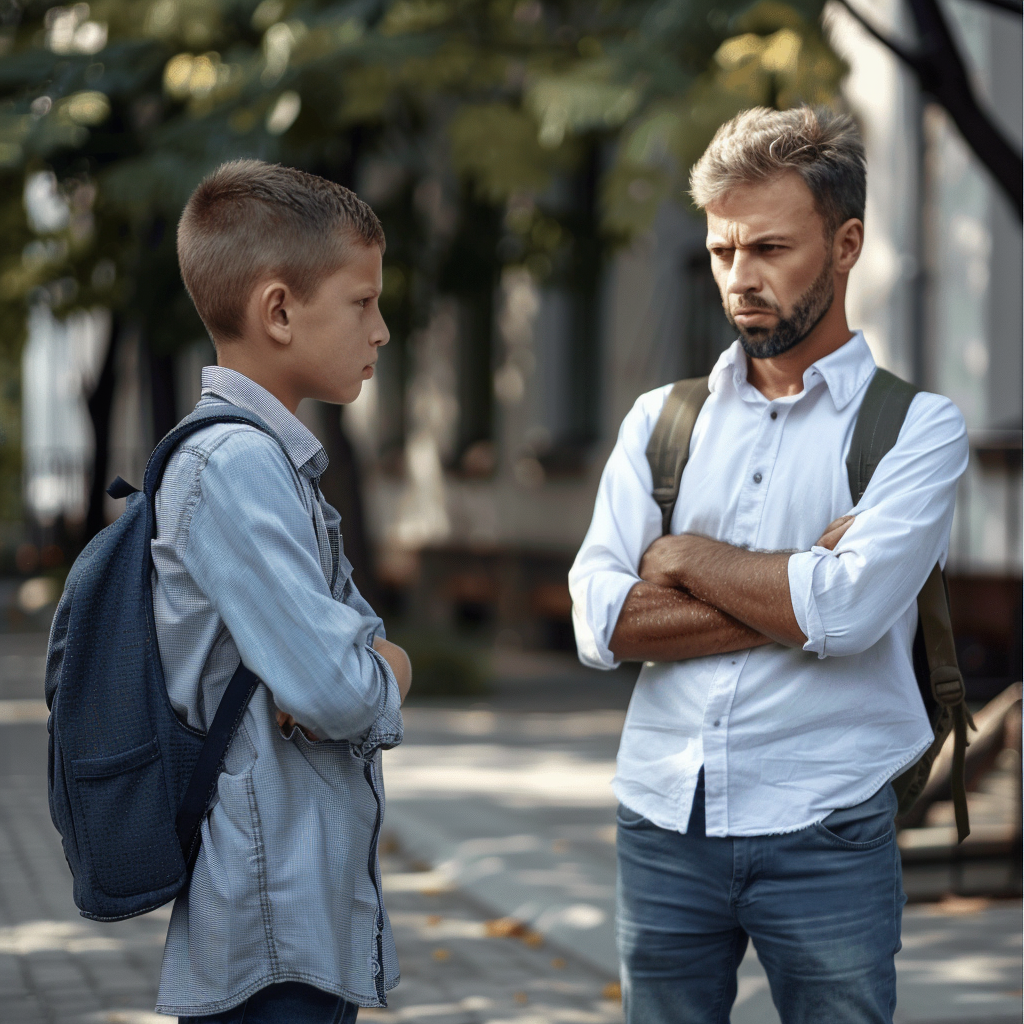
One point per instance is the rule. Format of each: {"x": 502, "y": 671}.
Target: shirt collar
{"x": 304, "y": 450}
{"x": 844, "y": 371}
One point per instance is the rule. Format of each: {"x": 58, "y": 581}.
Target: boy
{"x": 283, "y": 919}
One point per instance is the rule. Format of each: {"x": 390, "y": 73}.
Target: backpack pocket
{"x": 127, "y": 821}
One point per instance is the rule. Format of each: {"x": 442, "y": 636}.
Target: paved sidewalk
{"x": 514, "y": 808}
{"x": 499, "y": 870}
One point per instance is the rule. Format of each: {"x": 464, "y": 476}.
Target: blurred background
{"x": 528, "y": 161}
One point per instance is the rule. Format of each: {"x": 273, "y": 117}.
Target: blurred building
{"x": 483, "y": 436}
{"x": 482, "y": 534}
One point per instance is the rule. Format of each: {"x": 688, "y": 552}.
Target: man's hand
{"x": 661, "y": 563}
{"x": 834, "y": 532}
{"x": 399, "y": 662}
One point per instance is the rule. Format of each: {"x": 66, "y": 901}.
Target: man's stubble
{"x": 810, "y": 308}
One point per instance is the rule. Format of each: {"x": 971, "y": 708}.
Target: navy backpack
{"x": 129, "y": 783}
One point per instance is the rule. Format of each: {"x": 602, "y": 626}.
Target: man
{"x": 775, "y": 620}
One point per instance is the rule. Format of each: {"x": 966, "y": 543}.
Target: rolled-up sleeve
{"x": 626, "y": 521}
{"x": 845, "y": 600}
{"x": 252, "y": 550}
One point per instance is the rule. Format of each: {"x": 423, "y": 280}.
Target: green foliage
{"x": 506, "y": 103}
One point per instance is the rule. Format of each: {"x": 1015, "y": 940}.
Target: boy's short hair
{"x": 250, "y": 220}
{"x": 824, "y": 147}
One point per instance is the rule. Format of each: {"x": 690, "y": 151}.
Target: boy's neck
{"x": 239, "y": 356}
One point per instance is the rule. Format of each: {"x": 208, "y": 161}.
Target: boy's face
{"x": 338, "y": 331}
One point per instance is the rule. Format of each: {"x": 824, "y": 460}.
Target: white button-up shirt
{"x": 786, "y": 736}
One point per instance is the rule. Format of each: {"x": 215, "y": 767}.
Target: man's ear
{"x": 274, "y": 305}
{"x": 847, "y": 244}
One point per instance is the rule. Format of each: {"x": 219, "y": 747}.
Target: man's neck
{"x": 784, "y": 374}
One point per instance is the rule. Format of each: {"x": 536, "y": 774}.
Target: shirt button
{"x": 775, "y": 415}
{"x": 757, "y": 478}
{"x": 718, "y": 722}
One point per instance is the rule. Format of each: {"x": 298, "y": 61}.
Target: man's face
{"x": 772, "y": 263}
{"x": 340, "y": 328}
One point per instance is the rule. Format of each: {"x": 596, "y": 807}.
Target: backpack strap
{"x": 242, "y": 685}
{"x": 669, "y": 446}
{"x": 879, "y": 420}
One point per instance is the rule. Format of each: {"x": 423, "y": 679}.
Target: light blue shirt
{"x": 248, "y": 563}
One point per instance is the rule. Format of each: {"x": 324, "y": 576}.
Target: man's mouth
{"x": 752, "y": 312}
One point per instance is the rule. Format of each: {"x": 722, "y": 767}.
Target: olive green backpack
{"x": 878, "y": 425}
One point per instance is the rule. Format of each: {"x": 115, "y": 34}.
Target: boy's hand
{"x": 834, "y": 533}
{"x": 286, "y": 724}
{"x": 399, "y": 662}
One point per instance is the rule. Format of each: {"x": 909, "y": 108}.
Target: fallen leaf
{"x": 558, "y": 963}
{"x": 521, "y": 997}
{"x": 504, "y": 928}
{"x": 533, "y": 939}
{"x": 434, "y": 919}
{"x": 613, "y": 990}
{"x": 441, "y": 955}
{"x": 960, "y": 906}
{"x": 560, "y": 846}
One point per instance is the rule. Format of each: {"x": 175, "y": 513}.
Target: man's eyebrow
{"x": 717, "y": 242}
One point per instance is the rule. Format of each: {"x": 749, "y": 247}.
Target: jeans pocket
{"x": 864, "y": 826}
{"x": 625, "y": 817}
{"x": 852, "y": 844}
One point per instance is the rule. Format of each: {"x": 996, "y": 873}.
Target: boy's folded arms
{"x": 397, "y": 660}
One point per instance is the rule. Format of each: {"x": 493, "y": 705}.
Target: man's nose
{"x": 743, "y": 274}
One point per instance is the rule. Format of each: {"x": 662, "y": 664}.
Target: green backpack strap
{"x": 878, "y": 426}
{"x": 669, "y": 446}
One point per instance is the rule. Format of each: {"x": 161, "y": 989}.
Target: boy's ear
{"x": 274, "y": 306}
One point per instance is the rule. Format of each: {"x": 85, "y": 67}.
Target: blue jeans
{"x": 822, "y": 905}
{"x": 287, "y": 1003}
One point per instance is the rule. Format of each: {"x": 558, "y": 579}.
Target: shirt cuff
{"x": 602, "y": 607}
{"x": 802, "y": 567}
{"x": 387, "y": 729}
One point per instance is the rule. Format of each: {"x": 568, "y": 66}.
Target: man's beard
{"x": 764, "y": 342}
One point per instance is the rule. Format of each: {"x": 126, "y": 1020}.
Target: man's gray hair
{"x": 825, "y": 148}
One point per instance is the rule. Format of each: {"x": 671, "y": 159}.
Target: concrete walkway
{"x": 498, "y": 859}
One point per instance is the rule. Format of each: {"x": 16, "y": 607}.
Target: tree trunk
{"x": 163, "y": 394}
{"x": 100, "y": 404}
{"x": 341, "y": 485}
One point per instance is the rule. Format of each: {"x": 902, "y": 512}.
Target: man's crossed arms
{"x": 700, "y": 596}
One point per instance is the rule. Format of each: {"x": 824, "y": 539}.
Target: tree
{"x": 467, "y": 121}
{"x": 942, "y": 73}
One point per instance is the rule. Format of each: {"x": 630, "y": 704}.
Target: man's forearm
{"x": 662, "y": 624}
{"x": 751, "y": 586}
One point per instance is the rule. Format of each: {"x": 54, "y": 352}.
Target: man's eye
{"x": 722, "y": 254}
